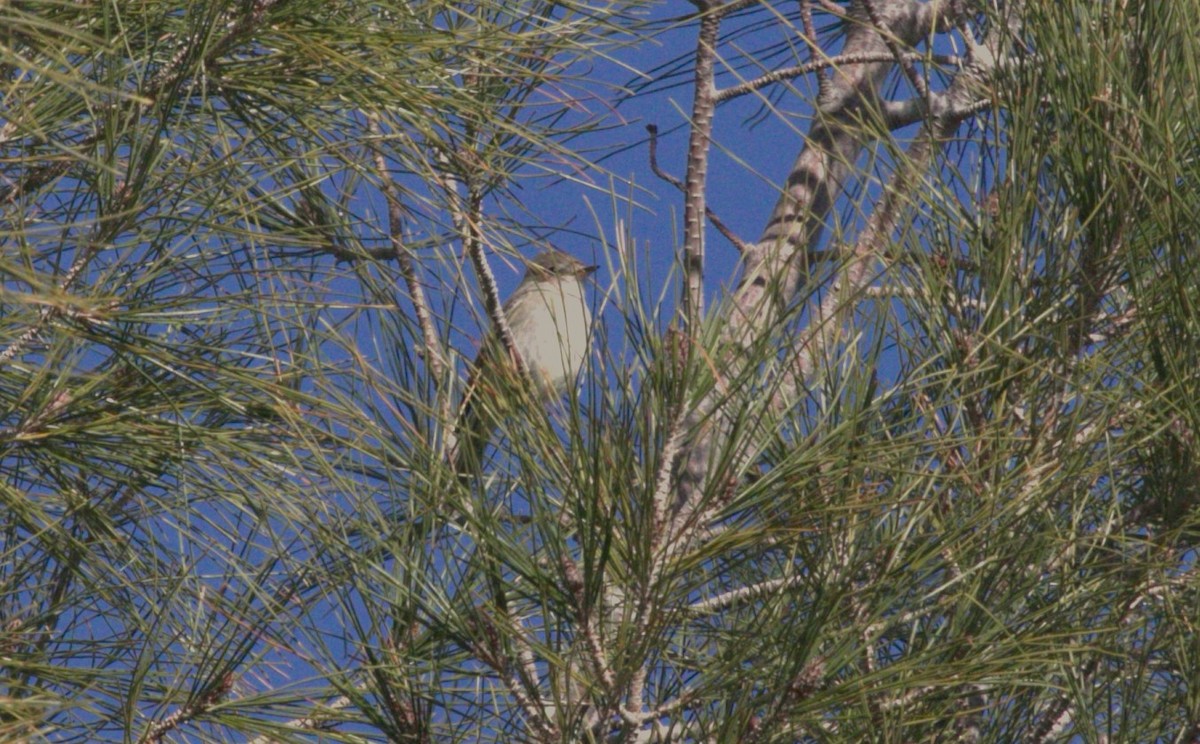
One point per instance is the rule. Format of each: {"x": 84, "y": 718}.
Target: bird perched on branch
{"x": 550, "y": 323}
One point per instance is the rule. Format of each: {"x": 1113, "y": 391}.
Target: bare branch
{"x": 744, "y": 594}
{"x": 788, "y": 73}
{"x": 468, "y": 211}
{"x": 810, "y": 37}
{"x": 901, "y": 58}
{"x": 703, "y": 105}
{"x": 434, "y": 354}
{"x": 722, "y": 228}
{"x": 833, "y": 8}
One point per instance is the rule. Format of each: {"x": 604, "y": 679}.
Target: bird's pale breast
{"x": 550, "y": 323}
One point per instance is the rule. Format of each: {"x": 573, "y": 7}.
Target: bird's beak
{"x": 587, "y": 271}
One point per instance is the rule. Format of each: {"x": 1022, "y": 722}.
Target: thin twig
{"x": 787, "y": 73}
{"x": 434, "y": 355}
{"x": 468, "y": 222}
{"x": 745, "y": 593}
{"x": 810, "y": 37}
{"x": 741, "y": 245}
{"x": 833, "y": 8}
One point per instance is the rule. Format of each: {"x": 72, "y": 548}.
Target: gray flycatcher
{"x": 550, "y": 322}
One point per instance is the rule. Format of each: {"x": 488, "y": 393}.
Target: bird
{"x": 550, "y": 322}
